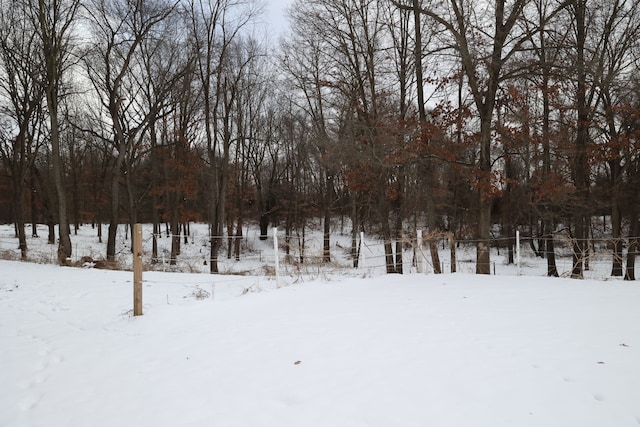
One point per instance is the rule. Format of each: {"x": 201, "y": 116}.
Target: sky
{"x": 275, "y": 12}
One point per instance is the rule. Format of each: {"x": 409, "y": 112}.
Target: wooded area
{"x": 467, "y": 118}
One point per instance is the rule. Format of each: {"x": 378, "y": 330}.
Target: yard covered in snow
{"x": 412, "y": 350}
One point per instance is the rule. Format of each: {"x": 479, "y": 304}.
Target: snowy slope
{"x": 414, "y": 350}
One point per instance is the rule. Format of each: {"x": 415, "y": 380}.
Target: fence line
{"x": 286, "y": 254}
{"x": 293, "y": 237}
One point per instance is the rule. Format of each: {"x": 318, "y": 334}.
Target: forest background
{"x": 469, "y": 119}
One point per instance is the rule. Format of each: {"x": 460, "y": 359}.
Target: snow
{"x": 389, "y": 350}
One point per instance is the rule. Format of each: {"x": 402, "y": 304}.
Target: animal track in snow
{"x": 29, "y": 402}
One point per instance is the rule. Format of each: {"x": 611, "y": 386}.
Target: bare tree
{"x": 305, "y": 61}
{"x": 217, "y": 32}
{"x": 336, "y": 58}
{"x": 546, "y": 54}
{"x": 255, "y": 111}
{"x": 118, "y": 28}
{"x": 424, "y": 133}
{"x": 55, "y": 21}
{"x": 21, "y": 102}
{"x": 485, "y": 43}
{"x": 613, "y": 66}
{"x": 167, "y": 80}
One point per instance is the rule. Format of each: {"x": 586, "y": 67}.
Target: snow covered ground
{"x": 411, "y": 350}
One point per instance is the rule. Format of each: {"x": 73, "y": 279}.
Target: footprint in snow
{"x": 29, "y": 402}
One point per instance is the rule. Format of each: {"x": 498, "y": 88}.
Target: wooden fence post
{"x": 137, "y": 270}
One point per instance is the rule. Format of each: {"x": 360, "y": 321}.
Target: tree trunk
{"x": 51, "y": 237}
{"x": 399, "y": 263}
{"x": 64, "y": 244}
{"x": 510, "y": 245}
{"x": 154, "y": 239}
{"x": 548, "y": 223}
{"x": 34, "y": 224}
{"x": 133, "y": 209}
{"x": 616, "y": 229}
{"x": 302, "y": 242}
{"x": 75, "y": 197}
{"x": 155, "y": 174}
{"x": 216, "y": 244}
{"x": 582, "y": 136}
{"x": 52, "y": 42}
{"x": 22, "y": 237}
{"x": 355, "y": 253}
{"x": 550, "y": 252}
{"x": 114, "y": 216}
{"x": 264, "y": 226}
{"x": 399, "y": 245}
{"x": 388, "y": 256}
{"x": 326, "y": 247}
{"x": 386, "y": 237}
{"x": 217, "y": 224}
{"x": 230, "y": 237}
{"x": 435, "y": 256}
{"x": 18, "y": 211}
{"x": 175, "y": 238}
{"x": 326, "y": 239}
{"x": 579, "y": 249}
{"x": 431, "y": 211}
{"x": 238, "y": 239}
{"x": 452, "y": 250}
{"x": 634, "y": 245}
{"x": 483, "y": 258}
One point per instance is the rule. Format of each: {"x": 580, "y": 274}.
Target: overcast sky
{"x": 275, "y": 13}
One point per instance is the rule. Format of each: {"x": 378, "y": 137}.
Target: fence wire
{"x": 251, "y": 255}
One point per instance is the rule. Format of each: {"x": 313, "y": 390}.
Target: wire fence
{"x": 300, "y": 255}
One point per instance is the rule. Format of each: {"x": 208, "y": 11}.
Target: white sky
{"x": 275, "y": 15}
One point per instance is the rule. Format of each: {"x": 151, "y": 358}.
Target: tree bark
{"x": 634, "y": 245}
{"x": 114, "y": 216}
{"x": 616, "y": 234}
{"x": 53, "y": 32}
{"x": 431, "y": 211}
{"x": 19, "y": 216}
{"x": 582, "y": 136}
